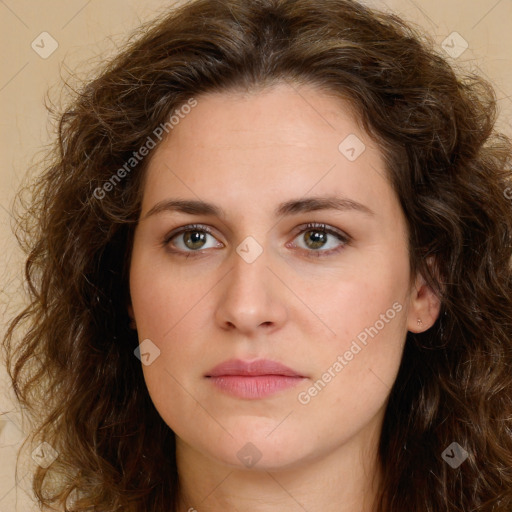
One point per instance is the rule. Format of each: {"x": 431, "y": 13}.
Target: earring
{"x": 420, "y": 323}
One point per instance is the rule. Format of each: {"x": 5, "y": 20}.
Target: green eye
{"x": 194, "y": 239}
{"x": 318, "y": 239}
{"x": 191, "y": 239}
{"x": 314, "y": 240}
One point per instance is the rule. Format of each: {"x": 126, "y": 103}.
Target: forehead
{"x": 277, "y": 142}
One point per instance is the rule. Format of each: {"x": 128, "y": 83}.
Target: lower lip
{"x": 255, "y": 386}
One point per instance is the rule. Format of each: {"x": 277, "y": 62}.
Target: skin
{"x": 247, "y": 153}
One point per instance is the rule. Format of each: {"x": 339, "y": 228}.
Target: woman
{"x": 270, "y": 270}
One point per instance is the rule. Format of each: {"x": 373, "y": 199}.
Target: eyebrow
{"x": 292, "y": 207}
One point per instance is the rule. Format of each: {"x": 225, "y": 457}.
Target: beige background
{"x": 86, "y": 30}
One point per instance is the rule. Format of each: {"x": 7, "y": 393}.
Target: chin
{"x": 254, "y": 449}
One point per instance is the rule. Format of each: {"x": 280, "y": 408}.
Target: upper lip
{"x": 251, "y": 368}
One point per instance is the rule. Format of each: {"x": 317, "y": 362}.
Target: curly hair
{"x": 72, "y": 364}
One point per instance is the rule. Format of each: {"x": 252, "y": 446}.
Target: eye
{"x": 320, "y": 239}
{"x": 315, "y": 239}
{"x": 191, "y": 239}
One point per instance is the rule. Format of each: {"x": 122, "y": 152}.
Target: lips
{"x": 252, "y": 368}
{"x": 253, "y": 380}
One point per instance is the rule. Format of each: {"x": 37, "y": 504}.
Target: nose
{"x": 251, "y": 298}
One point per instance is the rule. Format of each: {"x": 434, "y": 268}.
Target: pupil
{"x": 194, "y": 239}
{"x": 317, "y": 239}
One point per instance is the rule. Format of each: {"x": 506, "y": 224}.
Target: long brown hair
{"x": 73, "y": 365}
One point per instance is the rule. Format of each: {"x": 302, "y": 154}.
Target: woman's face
{"x": 226, "y": 269}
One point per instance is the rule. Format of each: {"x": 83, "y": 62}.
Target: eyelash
{"x": 342, "y": 237}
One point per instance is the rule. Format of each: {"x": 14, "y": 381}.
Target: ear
{"x": 424, "y": 306}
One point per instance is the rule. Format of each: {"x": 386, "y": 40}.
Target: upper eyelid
{"x": 189, "y": 227}
{"x": 342, "y": 236}
{"x": 319, "y": 226}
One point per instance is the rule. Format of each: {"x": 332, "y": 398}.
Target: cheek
{"x": 170, "y": 319}
{"x": 355, "y": 370}
{"x": 357, "y": 359}
{"x": 370, "y": 328}
{"x": 171, "y": 309}
{"x": 164, "y": 296}
{"x": 370, "y": 293}
{"x": 360, "y": 364}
